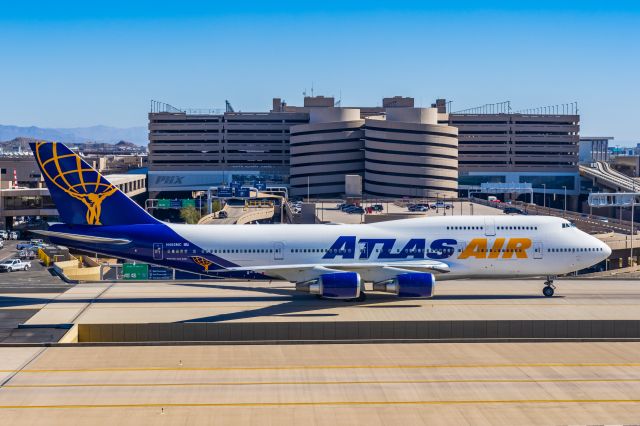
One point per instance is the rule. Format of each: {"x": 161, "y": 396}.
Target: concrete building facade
{"x": 325, "y": 150}
{"x": 408, "y": 154}
{"x": 540, "y": 149}
{"x": 398, "y": 149}
{"x": 197, "y": 151}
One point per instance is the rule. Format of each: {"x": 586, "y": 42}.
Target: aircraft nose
{"x": 606, "y": 251}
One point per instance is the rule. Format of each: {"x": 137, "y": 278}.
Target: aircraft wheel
{"x": 361, "y": 298}
{"x": 548, "y": 291}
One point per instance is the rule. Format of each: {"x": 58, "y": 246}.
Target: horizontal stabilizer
{"x": 82, "y": 238}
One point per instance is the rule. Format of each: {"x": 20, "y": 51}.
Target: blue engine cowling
{"x": 410, "y": 284}
{"x": 336, "y": 285}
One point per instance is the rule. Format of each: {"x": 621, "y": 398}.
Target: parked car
{"x": 4, "y": 235}
{"x": 222, "y": 214}
{"x": 25, "y": 246}
{"x": 513, "y": 210}
{"x": 442, "y": 205}
{"x": 13, "y": 235}
{"x": 10, "y": 265}
{"x": 355, "y": 210}
{"x": 27, "y": 254}
{"x": 493, "y": 199}
{"x": 1, "y": 244}
{"x": 347, "y": 206}
{"x": 377, "y": 207}
{"x": 418, "y": 207}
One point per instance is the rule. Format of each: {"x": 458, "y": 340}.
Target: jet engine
{"x": 410, "y": 284}
{"x": 335, "y": 285}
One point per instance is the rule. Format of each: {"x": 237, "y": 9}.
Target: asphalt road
{"x": 37, "y": 280}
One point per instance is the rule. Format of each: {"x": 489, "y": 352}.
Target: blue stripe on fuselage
{"x": 177, "y": 251}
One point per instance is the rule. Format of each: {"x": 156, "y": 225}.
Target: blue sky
{"x": 66, "y": 64}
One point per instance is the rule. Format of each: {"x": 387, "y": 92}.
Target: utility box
{"x": 353, "y": 185}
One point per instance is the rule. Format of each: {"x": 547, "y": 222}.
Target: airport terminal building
{"x": 398, "y": 149}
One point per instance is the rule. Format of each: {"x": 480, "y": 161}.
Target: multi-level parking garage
{"x": 325, "y": 150}
{"x": 540, "y": 149}
{"x": 197, "y": 150}
{"x": 408, "y": 154}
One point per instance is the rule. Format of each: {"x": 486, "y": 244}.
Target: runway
{"x": 537, "y": 383}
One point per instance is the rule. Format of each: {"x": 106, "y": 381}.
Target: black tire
{"x": 361, "y": 298}
{"x": 547, "y": 291}
{"x": 26, "y": 268}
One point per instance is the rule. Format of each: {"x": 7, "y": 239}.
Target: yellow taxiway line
{"x": 326, "y": 367}
{"x": 330, "y": 382}
{"x": 324, "y": 403}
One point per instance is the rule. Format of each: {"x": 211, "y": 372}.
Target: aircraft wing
{"x": 304, "y": 272}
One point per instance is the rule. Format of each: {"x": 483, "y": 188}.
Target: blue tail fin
{"x": 82, "y": 195}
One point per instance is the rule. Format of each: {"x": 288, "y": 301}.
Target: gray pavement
{"x": 479, "y": 383}
{"x": 241, "y": 301}
{"x": 38, "y": 283}
{"x": 328, "y": 212}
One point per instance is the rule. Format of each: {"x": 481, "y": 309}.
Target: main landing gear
{"x": 361, "y": 297}
{"x": 549, "y": 288}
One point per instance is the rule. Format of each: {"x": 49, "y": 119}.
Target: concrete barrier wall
{"x": 370, "y": 330}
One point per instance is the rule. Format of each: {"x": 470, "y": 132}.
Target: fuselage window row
{"x": 573, "y": 249}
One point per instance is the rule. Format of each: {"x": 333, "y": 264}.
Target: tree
{"x": 190, "y": 215}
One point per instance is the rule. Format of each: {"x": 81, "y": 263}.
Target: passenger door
{"x": 489, "y": 226}
{"x": 278, "y": 250}
{"x": 538, "y": 250}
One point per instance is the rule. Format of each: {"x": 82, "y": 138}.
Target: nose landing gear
{"x": 549, "y": 288}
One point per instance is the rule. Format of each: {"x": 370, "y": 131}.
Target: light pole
{"x": 544, "y": 195}
{"x": 633, "y": 203}
{"x": 565, "y": 201}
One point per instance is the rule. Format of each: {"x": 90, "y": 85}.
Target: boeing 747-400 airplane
{"x": 402, "y": 257}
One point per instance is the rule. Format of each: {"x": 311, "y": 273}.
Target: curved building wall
{"x": 322, "y": 153}
{"x": 410, "y": 158}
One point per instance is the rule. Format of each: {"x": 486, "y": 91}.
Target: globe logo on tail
{"x": 205, "y": 263}
{"x": 70, "y": 174}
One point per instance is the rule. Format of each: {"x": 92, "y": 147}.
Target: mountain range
{"x": 105, "y": 134}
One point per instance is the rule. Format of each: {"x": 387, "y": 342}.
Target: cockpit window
{"x": 568, "y": 225}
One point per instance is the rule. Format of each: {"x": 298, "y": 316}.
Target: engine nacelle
{"x": 410, "y": 284}
{"x": 336, "y": 285}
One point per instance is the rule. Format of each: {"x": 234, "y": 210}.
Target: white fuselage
{"x": 471, "y": 246}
